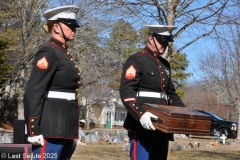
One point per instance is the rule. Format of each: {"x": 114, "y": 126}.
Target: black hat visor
{"x": 163, "y": 38}
{"x": 69, "y": 22}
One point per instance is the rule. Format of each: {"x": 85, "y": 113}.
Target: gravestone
{"x": 120, "y": 137}
{"x": 127, "y": 147}
{"x": 175, "y": 146}
{"x": 223, "y": 138}
{"x": 92, "y": 138}
{"x": 228, "y": 143}
{"x": 216, "y": 134}
{"x": 6, "y": 137}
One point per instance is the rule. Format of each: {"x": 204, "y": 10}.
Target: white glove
{"x": 146, "y": 122}
{"x": 36, "y": 140}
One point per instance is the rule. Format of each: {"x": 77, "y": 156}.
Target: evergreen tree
{"x": 8, "y": 42}
{"x": 123, "y": 40}
{"x": 179, "y": 65}
{"x": 5, "y": 68}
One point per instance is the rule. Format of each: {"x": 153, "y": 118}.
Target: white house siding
{"x": 98, "y": 113}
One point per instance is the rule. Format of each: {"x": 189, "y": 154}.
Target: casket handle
{"x": 158, "y": 120}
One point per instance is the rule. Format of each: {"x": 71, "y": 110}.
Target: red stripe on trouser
{"x": 43, "y": 148}
{"x": 134, "y": 146}
{"x": 26, "y": 152}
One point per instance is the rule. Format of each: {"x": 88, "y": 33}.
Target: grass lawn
{"x": 98, "y": 151}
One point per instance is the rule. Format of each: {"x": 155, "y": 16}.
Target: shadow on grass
{"x": 202, "y": 137}
{"x": 204, "y": 155}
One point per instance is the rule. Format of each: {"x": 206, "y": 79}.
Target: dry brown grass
{"x": 205, "y": 152}
{"x": 100, "y": 151}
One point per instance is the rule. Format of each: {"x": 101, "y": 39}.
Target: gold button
{"x": 79, "y": 82}
{"x": 32, "y": 126}
{"x": 71, "y": 59}
{"x": 32, "y": 120}
{"x": 140, "y": 112}
{"x": 163, "y": 79}
{"x": 152, "y": 73}
{"x": 68, "y": 53}
{"x": 76, "y": 66}
{"x": 133, "y": 104}
{"x": 76, "y": 90}
{"x": 154, "y": 55}
{"x": 160, "y": 66}
{"x": 163, "y": 85}
{"x": 162, "y": 72}
{"x": 136, "y": 107}
{"x": 79, "y": 74}
{"x": 32, "y": 132}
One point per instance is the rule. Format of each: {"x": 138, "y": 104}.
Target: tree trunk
{"x": 171, "y": 8}
{"x": 238, "y": 129}
{"x": 20, "y": 95}
{"x": 88, "y": 116}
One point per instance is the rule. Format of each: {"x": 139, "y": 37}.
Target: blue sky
{"x": 196, "y": 51}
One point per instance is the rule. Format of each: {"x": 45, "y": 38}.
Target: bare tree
{"x": 199, "y": 97}
{"x": 220, "y": 68}
{"x": 89, "y": 48}
{"x": 26, "y": 18}
{"x": 195, "y": 18}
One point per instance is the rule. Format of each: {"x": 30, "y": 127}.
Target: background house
{"x": 108, "y": 112}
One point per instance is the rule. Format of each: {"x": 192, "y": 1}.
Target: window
{"x": 122, "y": 116}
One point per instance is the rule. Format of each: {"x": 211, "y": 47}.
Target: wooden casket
{"x": 179, "y": 120}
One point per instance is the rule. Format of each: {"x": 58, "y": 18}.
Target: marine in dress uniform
{"x": 50, "y": 104}
{"x": 146, "y": 78}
